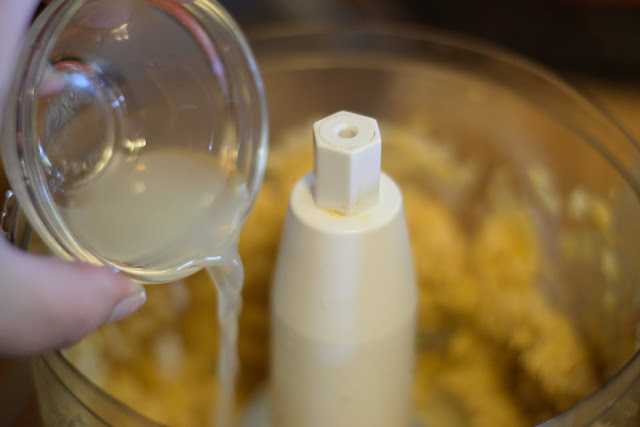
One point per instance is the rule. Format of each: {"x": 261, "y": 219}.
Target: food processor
{"x": 521, "y": 200}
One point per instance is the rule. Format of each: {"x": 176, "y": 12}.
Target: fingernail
{"x": 135, "y": 287}
{"x": 127, "y": 306}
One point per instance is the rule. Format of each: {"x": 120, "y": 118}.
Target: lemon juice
{"x": 170, "y": 204}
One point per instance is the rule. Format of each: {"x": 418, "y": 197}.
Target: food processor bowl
{"x": 514, "y": 133}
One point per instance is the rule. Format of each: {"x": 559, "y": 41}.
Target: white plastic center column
{"x": 344, "y": 295}
{"x": 347, "y": 149}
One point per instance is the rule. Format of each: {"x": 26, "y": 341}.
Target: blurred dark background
{"x": 595, "y": 37}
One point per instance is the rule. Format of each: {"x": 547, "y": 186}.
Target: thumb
{"x": 48, "y": 304}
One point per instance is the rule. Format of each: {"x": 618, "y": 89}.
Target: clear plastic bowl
{"x": 494, "y": 110}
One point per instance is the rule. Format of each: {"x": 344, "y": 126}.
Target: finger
{"x": 48, "y": 304}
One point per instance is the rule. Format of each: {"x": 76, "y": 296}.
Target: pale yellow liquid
{"x": 161, "y": 207}
{"x": 228, "y": 277}
{"x": 171, "y": 205}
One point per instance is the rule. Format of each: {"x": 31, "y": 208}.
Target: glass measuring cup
{"x": 136, "y": 135}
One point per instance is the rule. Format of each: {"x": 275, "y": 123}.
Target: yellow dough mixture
{"x": 493, "y": 351}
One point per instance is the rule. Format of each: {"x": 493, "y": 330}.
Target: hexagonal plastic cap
{"x": 347, "y": 149}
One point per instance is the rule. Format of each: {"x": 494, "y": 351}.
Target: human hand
{"x": 47, "y": 303}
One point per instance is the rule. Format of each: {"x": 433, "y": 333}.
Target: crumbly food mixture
{"x": 492, "y": 349}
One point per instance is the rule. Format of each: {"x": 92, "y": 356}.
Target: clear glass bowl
{"x": 125, "y": 111}
{"x": 504, "y": 123}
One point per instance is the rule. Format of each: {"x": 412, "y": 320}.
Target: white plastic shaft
{"x": 347, "y": 149}
{"x": 343, "y": 301}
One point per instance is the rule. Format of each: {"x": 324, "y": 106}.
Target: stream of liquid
{"x": 166, "y": 203}
{"x": 228, "y": 277}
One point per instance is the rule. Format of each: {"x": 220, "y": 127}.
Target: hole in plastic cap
{"x": 347, "y": 131}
